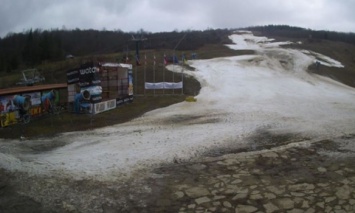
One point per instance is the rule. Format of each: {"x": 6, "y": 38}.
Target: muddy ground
{"x": 311, "y": 175}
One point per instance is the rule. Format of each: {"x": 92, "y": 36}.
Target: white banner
{"x": 103, "y": 106}
{"x": 163, "y": 85}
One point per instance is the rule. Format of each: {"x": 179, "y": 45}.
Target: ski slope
{"x": 269, "y": 90}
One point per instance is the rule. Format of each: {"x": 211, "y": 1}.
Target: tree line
{"x": 298, "y": 33}
{"x": 33, "y": 47}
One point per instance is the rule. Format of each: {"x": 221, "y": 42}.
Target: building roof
{"x": 35, "y": 88}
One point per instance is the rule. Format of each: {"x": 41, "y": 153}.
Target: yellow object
{"x": 190, "y": 99}
{"x": 8, "y": 118}
{"x": 35, "y": 111}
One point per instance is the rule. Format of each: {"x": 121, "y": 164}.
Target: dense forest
{"x": 31, "y": 48}
{"x": 28, "y": 49}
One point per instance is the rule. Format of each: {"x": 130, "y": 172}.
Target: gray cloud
{"x": 168, "y": 15}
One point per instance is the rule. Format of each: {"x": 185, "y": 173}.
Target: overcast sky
{"x": 169, "y": 15}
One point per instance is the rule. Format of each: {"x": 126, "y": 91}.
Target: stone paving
{"x": 294, "y": 180}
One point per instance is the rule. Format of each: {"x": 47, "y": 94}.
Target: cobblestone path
{"x": 293, "y": 180}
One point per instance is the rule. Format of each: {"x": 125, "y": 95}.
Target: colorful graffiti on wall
{"x": 14, "y": 108}
{"x": 19, "y": 108}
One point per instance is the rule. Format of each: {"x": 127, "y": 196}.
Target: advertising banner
{"x": 35, "y": 98}
{"x": 120, "y": 101}
{"x": 88, "y": 79}
{"x": 8, "y": 110}
{"x": 130, "y": 83}
{"x": 104, "y": 106}
{"x": 89, "y": 76}
{"x": 8, "y": 118}
{"x": 7, "y": 104}
{"x": 36, "y": 111}
{"x": 163, "y": 85}
{"x": 86, "y": 75}
{"x": 73, "y": 76}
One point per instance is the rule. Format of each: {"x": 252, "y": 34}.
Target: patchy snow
{"x": 324, "y": 60}
{"x": 245, "y": 40}
{"x": 240, "y": 95}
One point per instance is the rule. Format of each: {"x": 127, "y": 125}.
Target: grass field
{"x": 49, "y": 125}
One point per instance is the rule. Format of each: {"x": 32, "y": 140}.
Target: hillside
{"x": 46, "y": 50}
{"x": 265, "y": 135}
{"x": 340, "y": 46}
{"x": 55, "y": 73}
{"x": 34, "y": 47}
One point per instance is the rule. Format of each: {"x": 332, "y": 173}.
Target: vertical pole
{"x": 182, "y": 72}
{"x": 182, "y": 79}
{"x": 137, "y": 42}
{"x": 136, "y": 79}
{"x": 92, "y": 116}
{"x": 154, "y": 75}
{"x": 127, "y": 54}
{"x": 173, "y": 72}
{"x": 145, "y": 78}
{"x": 137, "y": 62}
{"x": 164, "y": 75}
{"x": 137, "y": 52}
{"x": 154, "y": 69}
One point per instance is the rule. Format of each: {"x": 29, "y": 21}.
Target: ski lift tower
{"x": 138, "y": 41}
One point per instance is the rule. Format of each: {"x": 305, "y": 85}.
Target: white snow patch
{"x": 240, "y": 95}
{"x": 245, "y": 40}
{"x": 324, "y": 60}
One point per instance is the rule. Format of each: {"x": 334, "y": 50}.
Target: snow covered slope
{"x": 240, "y": 95}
